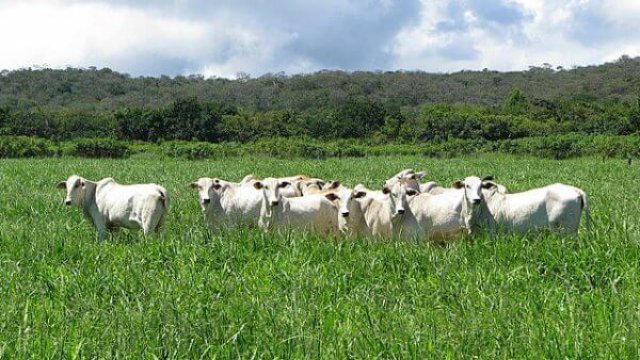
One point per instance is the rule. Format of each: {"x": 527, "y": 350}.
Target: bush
{"x": 23, "y": 146}
{"x": 101, "y": 148}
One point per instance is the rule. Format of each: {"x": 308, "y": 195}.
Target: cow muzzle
{"x": 400, "y": 211}
{"x": 275, "y": 203}
{"x": 67, "y": 202}
{"x": 476, "y": 201}
{"x": 206, "y": 201}
{"x": 345, "y": 214}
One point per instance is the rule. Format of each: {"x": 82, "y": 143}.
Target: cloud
{"x": 515, "y": 34}
{"x": 218, "y": 38}
{"x": 225, "y": 37}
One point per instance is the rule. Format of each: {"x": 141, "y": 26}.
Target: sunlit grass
{"x": 186, "y": 294}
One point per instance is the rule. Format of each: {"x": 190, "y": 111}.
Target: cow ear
{"x": 357, "y": 194}
{"x": 420, "y": 174}
{"x": 284, "y": 184}
{"x": 331, "y": 196}
{"x": 488, "y": 177}
{"x": 83, "y": 184}
{"x": 62, "y": 185}
{"x": 193, "y": 185}
{"x": 386, "y": 190}
{"x": 488, "y": 184}
{"x": 458, "y": 184}
{"x": 334, "y": 184}
{"x": 320, "y": 184}
{"x": 258, "y": 185}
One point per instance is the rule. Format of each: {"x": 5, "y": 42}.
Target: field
{"x": 248, "y": 294}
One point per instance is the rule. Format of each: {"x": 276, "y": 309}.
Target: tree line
{"x": 381, "y": 107}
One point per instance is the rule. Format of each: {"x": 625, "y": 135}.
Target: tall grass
{"x": 186, "y": 294}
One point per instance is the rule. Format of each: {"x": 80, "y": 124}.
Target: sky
{"x": 224, "y": 38}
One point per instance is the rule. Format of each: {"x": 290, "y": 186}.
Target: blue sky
{"x": 225, "y": 37}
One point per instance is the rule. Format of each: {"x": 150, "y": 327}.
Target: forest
{"x": 369, "y": 108}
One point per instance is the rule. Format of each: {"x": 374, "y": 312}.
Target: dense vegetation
{"x": 377, "y": 107}
{"x": 248, "y": 294}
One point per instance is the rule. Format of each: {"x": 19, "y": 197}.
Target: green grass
{"x": 188, "y": 295}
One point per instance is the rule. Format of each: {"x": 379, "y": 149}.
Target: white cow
{"x": 110, "y": 205}
{"x": 557, "y": 207}
{"x": 310, "y": 212}
{"x": 226, "y": 203}
{"x": 442, "y": 216}
{"x": 386, "y": 215}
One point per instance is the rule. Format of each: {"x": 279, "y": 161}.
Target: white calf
{"x": 110, "y": 205}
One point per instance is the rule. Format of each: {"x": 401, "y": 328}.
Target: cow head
{"x": 75, "y": 187}
{"x": 343, "y": 199}
{"x": 472, "y": 188}
{"x": 398, "y": 195}
{"x": 209, "y": 189}
{"x": 412, "y": 179}
{"x": 310, "y": 186}
{"x": 270, "y": 188}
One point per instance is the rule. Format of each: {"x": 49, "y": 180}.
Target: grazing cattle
{"x": 312, "y": 212}
{"x": 226, "y": 203}
{"x": 110, "y": 205}
{"x": 557, "y": 207}
{"x": 386, "y": 215}
{"x": 447, "y": 214}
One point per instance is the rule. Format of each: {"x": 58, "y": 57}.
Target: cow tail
{"x": 585, "y": 207}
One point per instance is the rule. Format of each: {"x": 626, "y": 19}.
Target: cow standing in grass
{"x": 109, "y": 205}
{"x": 383, "y": 214}
{"x": 226, "y": 203}
{"x": 556, "y": 207}
{"x": 312, "y": 212}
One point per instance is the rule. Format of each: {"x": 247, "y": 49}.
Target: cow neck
{"x": 89, "y": 205}
{"x": 493, "y": 199}
{"x": 217, "y": 207}
{"x": 473, "y": 217}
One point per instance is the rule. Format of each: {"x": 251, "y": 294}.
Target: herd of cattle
{"x": 405, "y": 208}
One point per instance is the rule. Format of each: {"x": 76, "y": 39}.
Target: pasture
{"x": 249, "y": 294}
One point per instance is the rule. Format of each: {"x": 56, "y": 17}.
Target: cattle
{"x": 351, "y": 220}
{"x": 225, "y": 203}
{"x": 430, "y": 187}
{"x": 109, "y": 205}
{"x": 412, "y": 179}
{"x": 297, "y": 184}
{"x": 557, "y": 207}
{"x": 445, "y": 215}
{"x": 384, "y": 215}
{"x": 310, "y": 186}
{"x": 312, "y": 212}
